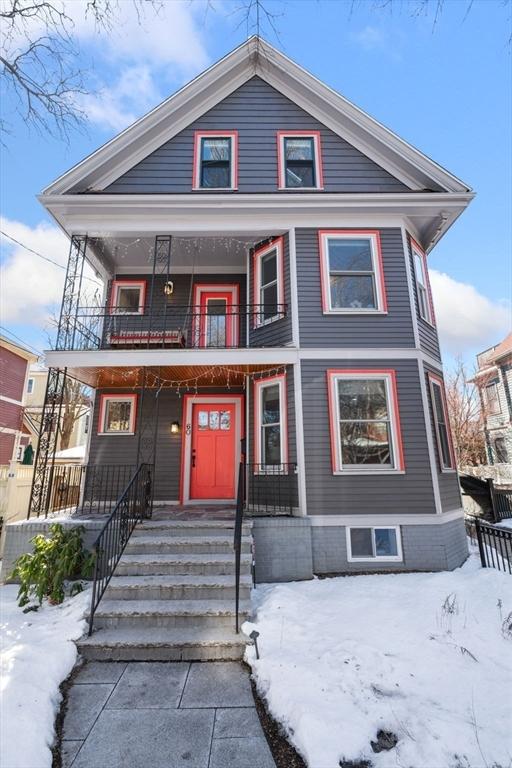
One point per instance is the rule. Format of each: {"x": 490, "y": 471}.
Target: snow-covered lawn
{"x": 37, "y": 654}
{"x": 425, "y": 656}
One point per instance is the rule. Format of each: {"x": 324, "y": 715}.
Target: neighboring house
{"x": 264, "y": 246}
{"x": 494, "y": 382}
{"x": 14, "y": 365}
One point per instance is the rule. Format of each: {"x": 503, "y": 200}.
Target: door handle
{"x": 193, "y": 457}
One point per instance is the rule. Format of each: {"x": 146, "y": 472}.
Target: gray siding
{"x": 448, "y": 481}
{"x": 257, "y": 111}
{"x": 318, "y": 330}
{"x": 410, "y": 493}
{"x": 429, "y": 340}
{"x": 279, "y": 332}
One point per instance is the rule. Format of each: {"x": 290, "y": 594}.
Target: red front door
{"x": 212, "y": 465}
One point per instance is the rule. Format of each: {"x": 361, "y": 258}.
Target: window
{"x": 117, "y": 414}
{"x": 270, "y": 428}
{"x": 374, "y": 544}
{"x": 423, "y": 294}
{"x": 500, "y": 451}
{"x": 86, "y": 423}
{"x": 492, "y": 399}
{"x": 352, "y": 276}
{"x": 299, "y": 160}
{"x": 215, "y": 160}
{"x": 128, "y": 297}
{"x": 364, "y": 421}
{"x": 440, "y": 414}
{"x": 30, "y": 386}
{"x": 268, "y": 283}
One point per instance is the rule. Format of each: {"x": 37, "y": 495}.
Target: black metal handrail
{"x": 239, "y": 518}
{"x": 494, "y": 544}
{"x": 181, "y": 326}
{"x": 134, "y": 505}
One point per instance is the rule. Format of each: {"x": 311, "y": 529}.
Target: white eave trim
{"x": 256, "y": 57}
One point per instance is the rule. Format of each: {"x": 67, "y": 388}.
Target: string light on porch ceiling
{"x": 188, "y": 245}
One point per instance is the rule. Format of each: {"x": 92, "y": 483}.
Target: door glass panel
{"x": 214, "y": 419}
{"x": 216, "y": 322}
{"x": 128, "y": 299}
{"x": 202, "y": 419}
{"x": 225, "y": 420}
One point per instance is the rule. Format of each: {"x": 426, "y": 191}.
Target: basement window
{"x": 376, "y": 543}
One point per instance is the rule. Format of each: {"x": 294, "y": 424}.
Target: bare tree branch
{"x": 466, "y": 418}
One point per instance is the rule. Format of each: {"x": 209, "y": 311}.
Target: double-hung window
{"x": 299, "y": 160}
{"x": 117, "y": 414}
{"x": 364, "y": 421}
{"x": 352, "y": 276}
{"x": 268, "y": 293}
{"x": 492, "y": 400}
{"x": 270, "y": 428}
{"x": 500, "y": 450}
{"x": 373, "y": 544}
{"x": 423, "y": 296}
{"x": 30, "y": 386}
{"x": 128, "y": 297}
{"x": 441, "y": 423}
{"x": 215, "y": 160}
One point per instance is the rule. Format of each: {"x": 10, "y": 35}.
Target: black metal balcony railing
{"x": 272, "y": 489}
{"x": 178, "y": 326}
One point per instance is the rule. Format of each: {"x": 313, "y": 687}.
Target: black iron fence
{"x": 215, "y": 325}
{"x": 272, "y": 489}
{"x": 501, "y": 502}
{"x": 494, "y": 544}
{"x": 134, "y": 505}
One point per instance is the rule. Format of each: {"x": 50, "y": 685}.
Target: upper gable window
{"x": 423, "y": 294}
{"x": 215, "y": 160}
{"x": 299, "y": 160}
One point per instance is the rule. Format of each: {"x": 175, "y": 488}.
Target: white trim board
{"x": 384, "y": 520}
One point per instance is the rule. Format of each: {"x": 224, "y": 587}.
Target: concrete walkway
{"x": 163, "y": 715}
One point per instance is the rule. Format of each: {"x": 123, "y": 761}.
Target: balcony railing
{"x": 175, "y": 326}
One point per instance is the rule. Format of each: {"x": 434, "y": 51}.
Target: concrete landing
{"x": 163, "y": 715}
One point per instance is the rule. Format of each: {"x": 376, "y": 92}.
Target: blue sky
{"x": 444, "y": 88}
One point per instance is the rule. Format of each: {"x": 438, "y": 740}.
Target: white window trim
{"x": 424, "y": 282}
{"x": 233, "y": 160}
{"x": 317, "y": 152}
{"x": 132, "y": 399}
{"x": 328, "y": 309}
{"x": 495, "y": 384}
{"x": 259, "y": 254}
{"x": 259, "y": 386}
{"x": 398, "y": 558}
{"x": 396, "y": 442}
{"x": 30, "y": 386}
{"x": 116, "y": 285}
{"x": 434, "y": 382}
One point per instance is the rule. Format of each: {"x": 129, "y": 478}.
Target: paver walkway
{"x": 163, "y": 715}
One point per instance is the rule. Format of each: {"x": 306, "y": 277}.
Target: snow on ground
{"x": 37, "y": 654}
{"x": 425, "y": 656}
{"x": 507, "y": 523}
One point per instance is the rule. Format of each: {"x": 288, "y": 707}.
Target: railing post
{"x": 481, "y": 548}
{"x": 494, "y": 501}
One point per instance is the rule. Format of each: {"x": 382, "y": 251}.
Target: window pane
{"x": 270, "y": 413}
{"x": 385, "y": 542}
{"x": 271, "y": 444}
{"x": 350, "y": 255}
{"x": 128, "y": 299}
{"x": 438, "y": 404}
{"x": 202, "y": 419}
{"x": 418, "y": 265}
{"x": 362, "y": 399}
{"x": 216, "y": 149}
{"x": 365, "y": 443}
{"x": 225, "y": 420}
{"x": 117, "y": 416}
{"x": 214, "y": 177}
{"x": 299, "y": 174}
{"x": 352, "y": 292}
{"x": 269, "y": 268}
{"x": 445, "y": 445}
{"x": 214, "y": 419}
{"x": 422, "y": 302}
{"x": 299, "y": 149}
{"x": 500, "y": 449}
{"x": 269, "y": 301}
{"x": 361, "y": 542}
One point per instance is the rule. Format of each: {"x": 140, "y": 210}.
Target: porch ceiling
{"x": 167, "y": 376}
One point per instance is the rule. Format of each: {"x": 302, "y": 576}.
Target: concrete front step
{"x": 185, "y": 564}
{"x": 168, "y": 613}
{"x": 177, "y": 588}
{"x": 161, "y": 644}
{"x": 190, "y": 528}
{"x": 190, "y": 545}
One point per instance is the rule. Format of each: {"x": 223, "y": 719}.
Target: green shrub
{"x": 55, "y": 559}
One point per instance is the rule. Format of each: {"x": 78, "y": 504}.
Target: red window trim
{"x": 416, "y": 247}
{"x": 196, "y": 163}
{"x": 277, "y": 244}
{"x": 374, "y": 236}
{"x": 222, "y": 290}
{"x": 433, "y": 379}
{"x": 355, "y": 373}
{"x": 104, "y": 398}
{"x": 258, "y": 384}
{"x": 319, "y": 173}
{"x": 116, "y": 284}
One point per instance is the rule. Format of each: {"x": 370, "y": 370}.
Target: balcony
{"x": 214, "y": 326}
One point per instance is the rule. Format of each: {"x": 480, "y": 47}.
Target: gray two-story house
{"x": 263, "y": 243}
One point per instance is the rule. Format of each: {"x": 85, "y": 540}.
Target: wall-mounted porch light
{"x": 175, "y": 428}
{"x": 169, "y": 288}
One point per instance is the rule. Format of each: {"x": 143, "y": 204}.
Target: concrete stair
{"x": 172, "y": 595}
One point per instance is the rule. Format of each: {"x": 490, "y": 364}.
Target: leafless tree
{"x": 466, "y": 418}
{"x": 38, "y": 60}
{"x": 76, "y": 403}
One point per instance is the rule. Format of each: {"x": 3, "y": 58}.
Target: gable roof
{"x": 256, "y": 57}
